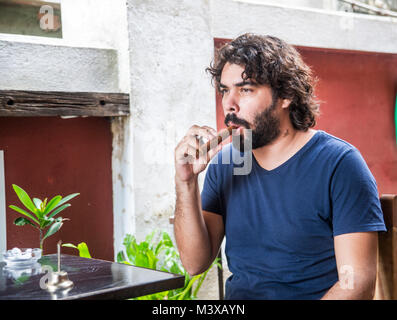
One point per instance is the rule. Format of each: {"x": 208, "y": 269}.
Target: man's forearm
{"x": 189, "y": 226}
{"x": 360, "y": 291}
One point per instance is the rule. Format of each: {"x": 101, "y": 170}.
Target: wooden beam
{"x": 387, "y": 251}
{"x": 379, "y": 11}
{"x": 15, "y": 103}
{"x": 31, "y": 3}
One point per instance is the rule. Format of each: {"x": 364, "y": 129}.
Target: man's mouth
{"x": 237, "y": 128}
{"x": 234, "y": 126}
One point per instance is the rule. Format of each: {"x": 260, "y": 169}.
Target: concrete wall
{"x": 98, "y": 24}
{"x": 88, "y": 24}
{"x": 318, "y": 4}
{"x": 31, "y": 66}
{"x": 170, "y": 47}
{"x": 305, "y": 26}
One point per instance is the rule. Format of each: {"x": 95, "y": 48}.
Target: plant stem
{"x": 200, "y": 282}
{"x": 41, "y": 239}
{"x": 189, "y": 286}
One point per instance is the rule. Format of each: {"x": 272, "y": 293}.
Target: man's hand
{"x": 190, "y": 159}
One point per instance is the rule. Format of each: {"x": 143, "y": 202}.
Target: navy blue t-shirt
{"x": 280, "y": 224}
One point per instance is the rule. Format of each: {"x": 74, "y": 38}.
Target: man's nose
{"x": 230, "y": 102}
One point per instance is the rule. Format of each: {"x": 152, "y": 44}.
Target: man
{"x": 303, "y": 222}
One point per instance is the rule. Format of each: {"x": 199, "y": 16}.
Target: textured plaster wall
{"x": 305, "y": 26}
{"x": 30, "y": 66}
{"x": 100, "y": 24}
{"x": 170, "y": 47}
{"x": 320, "y": 4}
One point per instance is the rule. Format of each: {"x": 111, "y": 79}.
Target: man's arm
{"x": 356, "y": 259}
{"x": 198, "y": 233}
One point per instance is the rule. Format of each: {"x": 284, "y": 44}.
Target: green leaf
{"x": 175, "y": 268}
{"x": 150, "y": 236}
{"x": 167, "y": 239}
{"x": 45, "y": 222}
{"x": 54, "y": 228}
{"x": 152, "y": 260}
{"x": 58, "y": 210}
{"x": 82, "y": 247}
{"x": 83, "y": 250}
{"x": 37, "y": 202}
{"x": 159, "y": 247}
{"x": 121, "y": 257}
{"x": 21, "y": 280}
{"x": 128, "y": 239}
{"x": 23, "y": 221}
{"x": 25, "y": 199}
{"x": 17, "y": 209}
{"x": 69, "y": 245}
{"x": 44, "y": 203}
{"x": 66, "y": 199}
{"x": 52, "y": 204}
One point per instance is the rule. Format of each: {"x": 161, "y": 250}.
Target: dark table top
{"x": 92, "y": 278}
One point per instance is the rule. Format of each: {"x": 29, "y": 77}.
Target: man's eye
{"x": 246, "y": 90}
{"x": 222, "y": 91}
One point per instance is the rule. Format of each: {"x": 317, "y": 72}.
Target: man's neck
{"x": 282, "y": 148}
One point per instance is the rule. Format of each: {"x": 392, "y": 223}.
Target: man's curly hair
{"x": 271, "y": 61}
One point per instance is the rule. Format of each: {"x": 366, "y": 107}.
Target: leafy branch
{"x": 41, "y": 214}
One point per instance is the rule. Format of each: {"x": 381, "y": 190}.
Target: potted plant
{"x": 41, "y": 214}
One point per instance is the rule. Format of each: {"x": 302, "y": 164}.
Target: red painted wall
{"x": 51, "y": 156}
{"x": 358, "y": 93}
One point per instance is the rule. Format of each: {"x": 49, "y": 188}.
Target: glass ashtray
{"x": 18, "y": 257}
{"x": 22, "y": 272}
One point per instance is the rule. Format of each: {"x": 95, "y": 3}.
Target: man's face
{"x": 249, "y": 105}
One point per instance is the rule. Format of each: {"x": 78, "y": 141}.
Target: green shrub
{"x": 159, "y": 253}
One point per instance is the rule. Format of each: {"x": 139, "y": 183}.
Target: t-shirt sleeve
{"x": 354, "y": 194}
{"x": 210, "y": 195}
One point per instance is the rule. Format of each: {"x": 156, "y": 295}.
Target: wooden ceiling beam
{"x": 17, "y": 103}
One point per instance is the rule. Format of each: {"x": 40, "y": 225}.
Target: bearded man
{"x": 303, "y": 222}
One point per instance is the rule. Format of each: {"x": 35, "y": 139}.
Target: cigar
{"x": 221, "y": 136}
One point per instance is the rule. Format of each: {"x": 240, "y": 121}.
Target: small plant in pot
{"x": 41, "y": 214}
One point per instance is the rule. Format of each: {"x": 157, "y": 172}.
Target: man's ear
{"x": 285, "y": 103}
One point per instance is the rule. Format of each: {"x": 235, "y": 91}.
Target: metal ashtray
{"x": 59, "y": 281}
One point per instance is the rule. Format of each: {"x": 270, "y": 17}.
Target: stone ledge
{"x": 305, "y": 26}
{"x": 31, "y": 66}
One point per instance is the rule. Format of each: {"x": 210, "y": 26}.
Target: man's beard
{"x": 266, "y": 129}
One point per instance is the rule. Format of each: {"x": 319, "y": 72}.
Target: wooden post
{"x": 386, "y": 284}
